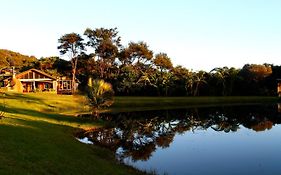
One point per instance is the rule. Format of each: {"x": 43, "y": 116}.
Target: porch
{"x": 38, "y": 86}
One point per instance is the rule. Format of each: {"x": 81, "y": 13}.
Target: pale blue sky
{"x": 198, "y": 34}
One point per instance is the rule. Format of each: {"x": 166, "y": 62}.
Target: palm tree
{"x": 232, "y": 77}
{"x": 199, "y": 79}
{"x": 226, "y": 77}
{"x": 190, "y": 83}
{"x": 221, "y": 74}
{"x": 100, "y": 95}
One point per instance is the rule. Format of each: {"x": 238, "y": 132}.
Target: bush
{"x": 100, "y": 95}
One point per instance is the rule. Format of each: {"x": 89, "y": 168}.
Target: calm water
{"x": 222, "y": 140}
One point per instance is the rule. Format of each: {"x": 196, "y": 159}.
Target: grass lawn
{"x": 37, "y": 138}
{"x": 126, "y": 104}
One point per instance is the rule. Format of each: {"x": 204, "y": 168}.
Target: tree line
{"x": 9, "y": 58}
{"x": 136, "y": 70}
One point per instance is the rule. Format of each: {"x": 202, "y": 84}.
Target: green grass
{"x": 37, "y": 137}
{"x": 126, "y": 104}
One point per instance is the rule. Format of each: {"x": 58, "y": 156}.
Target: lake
{"x": 216, "y": 140}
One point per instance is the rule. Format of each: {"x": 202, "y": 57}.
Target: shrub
{"x": 100, "y": 95}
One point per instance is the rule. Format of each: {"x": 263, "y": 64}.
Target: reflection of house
{"x": 262, "y": 126}
{"x": 30, "y": 81}
{"x": 279, "y": 87}
{"x": 279, "y": 107}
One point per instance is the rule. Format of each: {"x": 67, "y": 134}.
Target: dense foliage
{"x": 9, "y": 58}
{"x": 135, "y": 70}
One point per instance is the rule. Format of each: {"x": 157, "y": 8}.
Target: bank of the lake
{"x": 129, "y": 104}
{"x": 37, "y": 137}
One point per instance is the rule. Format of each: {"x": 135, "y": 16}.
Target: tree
{"x": 106, "y": 45}
{"x": 256, "y": 72}
{"x": 139, "y": 53}
{"x": 124, "y": 57}
{"x": 231, "y": 79}
{"x": 9, "y": 58}
{"x": 199, "y": 79}
{"x": 72, "y": 44}
{"x": 54, "y": 66}
{"x": 162, "y": 62}
{"x": 179, "y": 79}
{"x": 254, "y": 77}
{"x": 145, "y": 79}
{"x": 127, "y": 79}
{"x": 190, "y": 83}
{"x": 221, "y": 74}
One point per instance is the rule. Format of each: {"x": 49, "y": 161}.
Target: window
{"x": 65, "y": 85}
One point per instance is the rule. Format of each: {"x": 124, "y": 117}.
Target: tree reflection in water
{"x": 138, "y": 134}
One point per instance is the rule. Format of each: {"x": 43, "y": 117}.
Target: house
{"x": 6, "y": 71}
{"x": 30, "y": 81}
{"x": 34, "y": 80}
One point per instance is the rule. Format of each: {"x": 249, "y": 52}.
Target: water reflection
{"x": 135, "y": 136}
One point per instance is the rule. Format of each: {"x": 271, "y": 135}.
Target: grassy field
{"x": 126, "y": 104}
{"x": 37, "y": 132}
{"x": 37, "y": 137}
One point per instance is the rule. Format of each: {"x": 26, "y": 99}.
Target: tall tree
{"x": 221, "y": 74}
{"x": 180, "y": 79}
{"x": 162, "y": 62}
{"x": 254, "y": 77}
{"x": 127, "y": 79}
{"x": 232, "y": 78}
{"x": 106, "y": 44}
{"x": 72, "y": 44}
{"x": 139, "y": 53}
{"x": 256, "y": 72}
{"x": 199, "y": 79}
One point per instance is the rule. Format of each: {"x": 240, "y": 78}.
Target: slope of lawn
{"x": 37, "y": 137}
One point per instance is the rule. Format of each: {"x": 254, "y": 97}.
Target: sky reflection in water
{"x": 222, "y": 140}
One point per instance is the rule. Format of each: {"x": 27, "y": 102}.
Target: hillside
{"x": 10, "y": 58}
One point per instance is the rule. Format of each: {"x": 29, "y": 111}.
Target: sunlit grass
{"x": 37, "y": 137}
{"x": 126, "y": 104}
{"x": 48, "y": 107}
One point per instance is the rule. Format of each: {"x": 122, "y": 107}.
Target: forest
{"x": 135, "y": 70}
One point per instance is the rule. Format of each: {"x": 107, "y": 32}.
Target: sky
{"x": 197, "y": 34}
